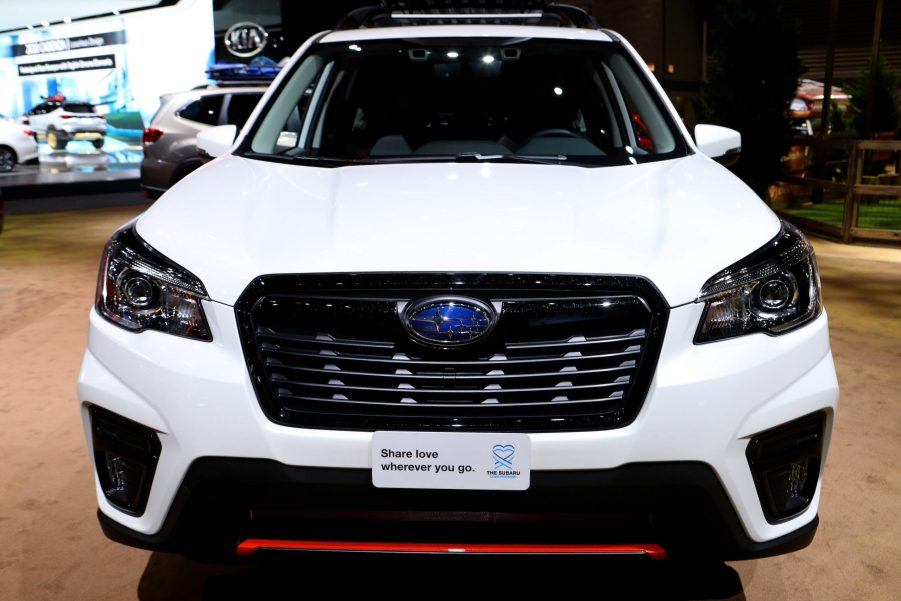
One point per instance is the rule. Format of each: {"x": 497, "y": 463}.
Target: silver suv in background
{"x": 170, "y": 141}
{"x": 62, "y": 121}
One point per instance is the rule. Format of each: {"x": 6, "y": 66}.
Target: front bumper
{"x": 680, "y": 506}
{"x": 83, "y": 131}
{"x": 702, "y": 408}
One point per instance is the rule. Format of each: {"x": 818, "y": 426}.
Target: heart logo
{"x": 503, "y": 455}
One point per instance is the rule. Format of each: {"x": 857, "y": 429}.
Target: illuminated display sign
{"x": 41, "y": 47}
{"x": 69, "y": 65}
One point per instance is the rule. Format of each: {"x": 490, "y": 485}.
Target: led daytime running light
{"x": 798, "y": 252}
{"x": 167, "y": 275}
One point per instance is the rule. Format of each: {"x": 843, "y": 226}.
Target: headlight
{"x": 774, "y": 290}
{"x": 140, "y": 289}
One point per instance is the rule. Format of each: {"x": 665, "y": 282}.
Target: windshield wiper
{"x": 476, "y": 157}
{"x": 463, "y": 157}
{"x": 308, "y": 160}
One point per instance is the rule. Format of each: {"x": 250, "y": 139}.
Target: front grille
{"x": 567, "y": 353}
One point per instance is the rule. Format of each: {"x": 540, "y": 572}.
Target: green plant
{"x": 752, "y": 76}
{"x": 886, "y": 100}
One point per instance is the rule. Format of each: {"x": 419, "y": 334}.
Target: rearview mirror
{"x": 719, "y": 143}
{"x": 216, "y": 141}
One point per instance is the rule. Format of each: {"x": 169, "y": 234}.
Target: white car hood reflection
{"x": 675, "y": 222}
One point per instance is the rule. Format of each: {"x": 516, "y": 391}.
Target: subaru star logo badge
{"x": 447, "y": 321}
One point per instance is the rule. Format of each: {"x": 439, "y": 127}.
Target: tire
{"x": 55, "y": 141}
{"x": 98, "y": 144}
{"x": 7, "y": 159}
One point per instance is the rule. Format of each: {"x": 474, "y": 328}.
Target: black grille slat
{"x": 322, "y": 342}
{"x": 438, "y": 406}
{"x": 568, "y": 352}
{"x": 570, "y": 344}
{"x": 426, "y": 378}
{"x": 396, "y": 363}
{"x": 412, "y": 392}
{"x": 549, "y": 346}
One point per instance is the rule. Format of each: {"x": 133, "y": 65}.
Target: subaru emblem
{"x": 448, "y": 321}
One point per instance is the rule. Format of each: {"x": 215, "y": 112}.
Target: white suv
{"x": 436, "y": 297}
{"x": 62, "y": 121}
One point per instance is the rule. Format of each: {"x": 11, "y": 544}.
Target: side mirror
{"x": 216, "y": 141}
{"x": 286, "y": 141}
{"x": 719, "y": 143}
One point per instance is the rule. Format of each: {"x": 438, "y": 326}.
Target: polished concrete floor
{"x": 79, "y": 163}
{"x": 52, "y": 548}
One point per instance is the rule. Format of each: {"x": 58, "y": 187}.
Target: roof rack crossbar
{"x": 577, "y": 16}
{"x": 455, "y": 12}
{"x": 499, "y": 16}
{"x": 439, "y": 5}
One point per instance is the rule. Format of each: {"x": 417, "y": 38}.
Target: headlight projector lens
{"x": 777, "y": 293}
{"x": 138, "y": 290}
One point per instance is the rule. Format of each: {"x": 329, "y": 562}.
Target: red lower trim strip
{"x": 251, "y": 545}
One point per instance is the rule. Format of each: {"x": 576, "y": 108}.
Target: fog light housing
{"x": 125, "y": 457}
{"x": 785, "y": 463}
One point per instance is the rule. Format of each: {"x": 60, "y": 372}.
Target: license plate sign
{"x": 451, "y": 460}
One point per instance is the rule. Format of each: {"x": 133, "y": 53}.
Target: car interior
{"x": 401, "y": 101}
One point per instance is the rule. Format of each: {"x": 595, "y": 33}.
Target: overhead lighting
{"x": 355, "y": 48}
{"x": 453, "y": 54}
{"x": 31, "y": 27}
{"x": 45, "y": 23}
{"x": 67, "y": 19}
{"x": 116, "y": 12}
{"x": 558, "y": 91}
{"x": 487, "y": 59}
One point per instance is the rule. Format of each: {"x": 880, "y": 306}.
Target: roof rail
{"x": 261, "y": 70}
{"x": 398, "y": 13}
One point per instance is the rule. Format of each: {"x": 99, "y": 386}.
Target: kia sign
{"x": 246, "y": 39}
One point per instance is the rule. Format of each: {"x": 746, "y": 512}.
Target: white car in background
{"x": 62, "y": 121}
{"x": 17, "y": 144}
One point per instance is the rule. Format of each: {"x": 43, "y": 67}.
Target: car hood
{"x": 674, "y": 222}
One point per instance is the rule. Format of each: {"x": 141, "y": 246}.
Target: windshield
{"x": 554, "y": 101}
{"x": 78, "y": 107}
